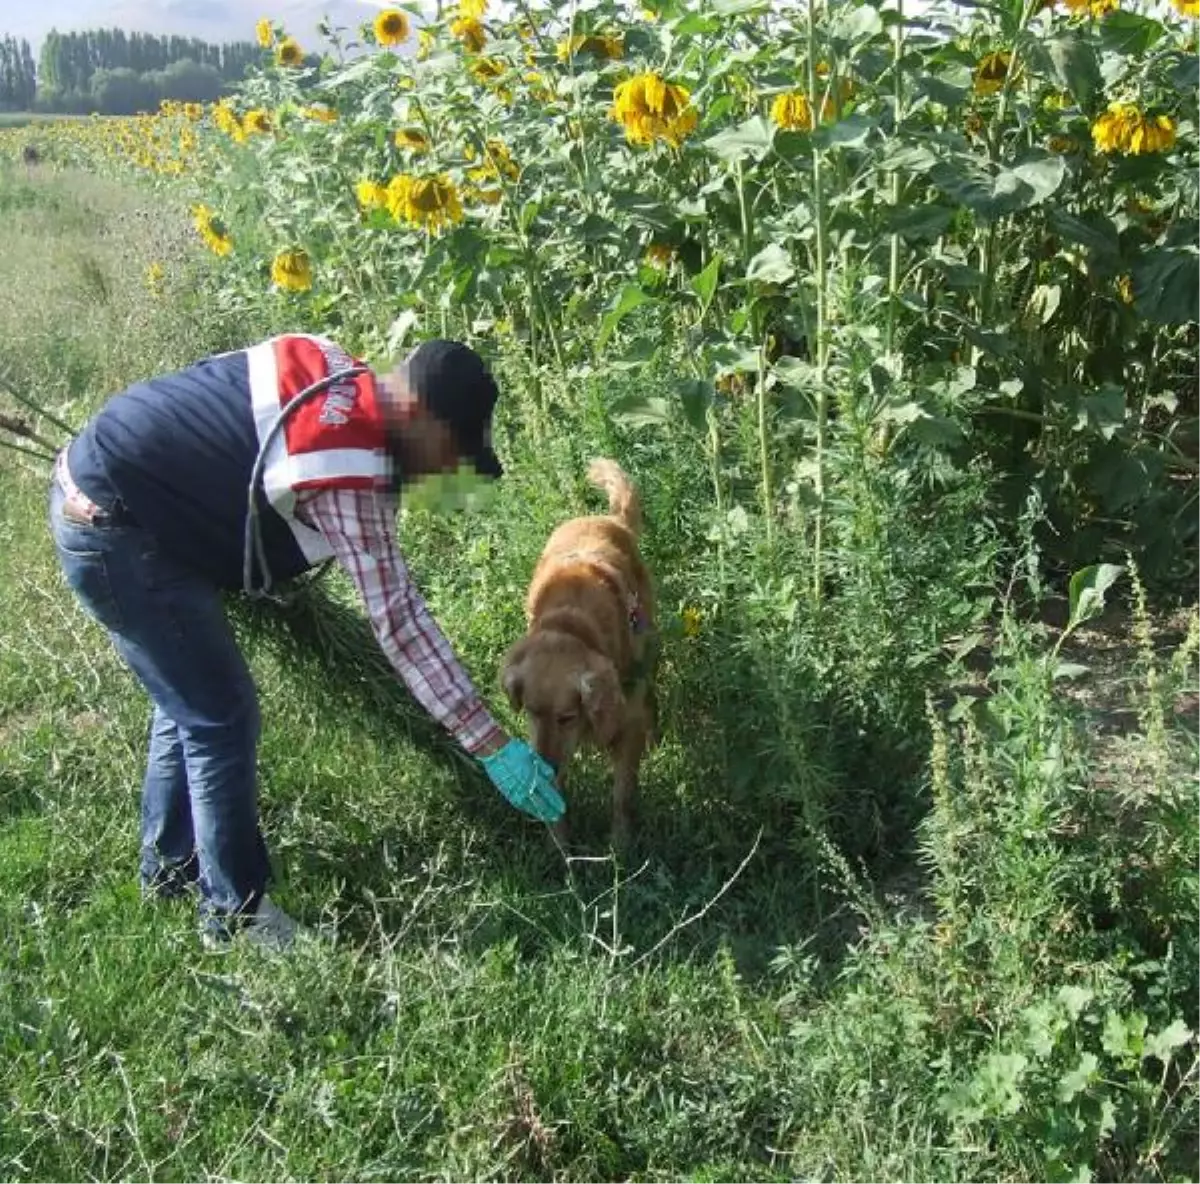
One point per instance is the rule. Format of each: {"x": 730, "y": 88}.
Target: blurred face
{"x": 423, "y": 443}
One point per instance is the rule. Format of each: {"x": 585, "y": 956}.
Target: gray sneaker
{"x": 270, "y": 929}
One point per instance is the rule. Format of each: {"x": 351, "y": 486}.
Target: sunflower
{"x": 193, "y": 112}
{"x": 1188, "y": 8}
{"x": 292, "y": 271}
{"x": 472, "y": 10}
{"x": 487, "y": 70}
{"x": 411, "y": 139}
{"x": 659, "y": 255}
{"x": 991, "y": 72}
{"x": 391, "y": 27}
{"x": 608, "y": 46}
{"x": 1154, "y": 133}
{"x": 256, "y": 121}
{"x": 481, "y": 196}
{"x": 289, "y": 53}
{"x": 431, "y": 202}
{"x": 1125, "y": 129}
{"x": 470, "y": 32}
{"x": 265, "y": 33}
{"x": 227, "y": 121}
{"x": 539, "y": 89}
{"x": 792, "y": 111}
{"x": 212, "y": 230}
{"x": 650, "y": 109}
{"x": 1094, "y": 8}
{"x": 371, "y": 195}
{"x": 320, "y": 114}
{"x": 497, "y": 162}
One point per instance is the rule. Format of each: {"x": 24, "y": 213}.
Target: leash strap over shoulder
{"x": 254, "y": 549}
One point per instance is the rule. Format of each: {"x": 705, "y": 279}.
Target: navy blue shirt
{"x": 178, "y": 452}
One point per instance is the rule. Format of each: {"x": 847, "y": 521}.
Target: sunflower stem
{"x": 744, "y": 212}
{"x": 764, "y": 449}
{"x": 822, "y": 343}
{"x": 897, "y": 115}
{"x": 987, "y": 253}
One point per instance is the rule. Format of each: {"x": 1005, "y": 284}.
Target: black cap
{"x": 451, "y": 380}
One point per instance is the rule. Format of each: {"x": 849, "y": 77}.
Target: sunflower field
{"x": 964, "y": 235}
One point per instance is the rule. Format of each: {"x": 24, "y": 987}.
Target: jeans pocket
{"x": 88, "y": 575}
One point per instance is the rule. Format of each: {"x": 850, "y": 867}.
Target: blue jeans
{"x": 199, "y": 799}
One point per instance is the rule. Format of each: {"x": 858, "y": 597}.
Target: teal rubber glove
{"x": 525, "y": 780}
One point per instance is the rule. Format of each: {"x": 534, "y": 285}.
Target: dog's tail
{"x": 624, "y": 504}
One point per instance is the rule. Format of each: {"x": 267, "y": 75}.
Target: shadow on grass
{"x": 721, "y": 843}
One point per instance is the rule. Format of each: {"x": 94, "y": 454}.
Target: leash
{"x": 253, "y": 548}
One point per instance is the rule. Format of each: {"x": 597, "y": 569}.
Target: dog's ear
{"x": 512, "y": 677}
{"x": 600, "y": 691}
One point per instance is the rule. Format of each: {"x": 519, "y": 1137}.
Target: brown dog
{"x": 583, "y": 672}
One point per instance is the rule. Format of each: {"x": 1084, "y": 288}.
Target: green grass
{"x": 940, "y": 924}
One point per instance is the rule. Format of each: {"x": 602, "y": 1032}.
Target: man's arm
{"x": 359, "y": 525}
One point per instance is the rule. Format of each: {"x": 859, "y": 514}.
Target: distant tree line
{"x": 118, "y": 73}
{"x": 18, "y": 76}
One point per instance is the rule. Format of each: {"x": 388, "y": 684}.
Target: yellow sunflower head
{"x": 292, "y": 271}
{"x": 431, "y": 202}
{"x": 411, "y": 139}
{"x": 264, "y": 32}
{"x": 256, "y": 122}
{"x": 391, "y": 27}
{"x": 472, "y": 10}
{"x": 991, "y": 72}
{"x": 608, "y": 46}
{"x": 371, "y": 195}
{"x": 1152, "y": 133}
{"x": 1188, "y": 8}
{"x": 650, "y": 108}
{"x": 470, "y": 32}
{"x": 792, "y": 111}
{"x": 1093, "y": 8}
{"x": 289, "y": 53}
{"x": 659, "y": 255}
{"x": 212, "y": 230}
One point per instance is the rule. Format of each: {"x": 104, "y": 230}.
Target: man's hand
{"x": 525, "y": 780}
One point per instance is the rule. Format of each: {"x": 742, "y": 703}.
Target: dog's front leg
{"x": 627, "y": 758}
{"x": 560, "y": 831}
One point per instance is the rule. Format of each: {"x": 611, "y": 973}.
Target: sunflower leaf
{"x": 1165, "y": 283}
{"x": 749, "y": 139}
{"x": 1072, "y": 62}
{"x": 630, "y": 297}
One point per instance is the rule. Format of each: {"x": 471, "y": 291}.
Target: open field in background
{"x": 15, "y": 119}
{"x": 915, "y": 895}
